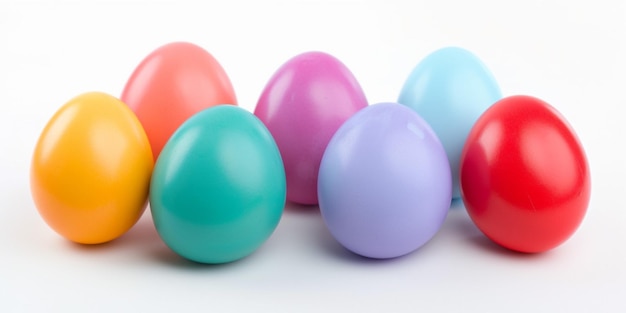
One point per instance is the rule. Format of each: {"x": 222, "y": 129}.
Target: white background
{"x": 571, "y": 54}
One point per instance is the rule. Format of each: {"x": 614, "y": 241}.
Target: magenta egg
{"x": 303, "y": 105}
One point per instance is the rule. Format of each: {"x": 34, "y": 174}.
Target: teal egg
{"x": 450, "y": 89}
{"x": 218, "y": 187}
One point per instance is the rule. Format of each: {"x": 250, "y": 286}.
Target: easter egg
{"x": 450, "y": 89}
{"x": 218, "y": 188}
{"x": 525, "y": 179}
{"x": 303, "y": 104}
{"x": 384, "y": 182}
{"x": 91, "y": 168}
{"x": 170, "y": 85}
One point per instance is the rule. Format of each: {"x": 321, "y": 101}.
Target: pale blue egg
{"x": 450, "y": 89}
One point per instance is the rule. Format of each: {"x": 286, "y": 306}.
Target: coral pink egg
{"x": 170, "y": 85}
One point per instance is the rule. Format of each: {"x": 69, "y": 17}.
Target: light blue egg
{"x": 450, "y": 89}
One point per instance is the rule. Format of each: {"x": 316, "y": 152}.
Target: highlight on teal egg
{"x": 218, "y": 188}
{"x": 450, "y": 89}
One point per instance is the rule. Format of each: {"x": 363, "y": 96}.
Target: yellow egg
{"x": 91, "y": 169}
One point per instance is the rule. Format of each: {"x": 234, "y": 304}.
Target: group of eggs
{"x": 384, "y": 175}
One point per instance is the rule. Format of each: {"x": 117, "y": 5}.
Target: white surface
{"x": 570, "y": 54}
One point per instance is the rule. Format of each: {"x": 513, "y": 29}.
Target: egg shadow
{"x": 143, "y": 243}
{"x": 304, "y": 209}
{"x": 100, "y": 248}
{"x": 324, "y": 241}
{"x": 493, "y": 248}
{"x": 161, "y": 254}
{"x": 462, "y": 225}
{"x": 142, "y": 234}
{"x": 165, "y": 256}
{"x": 337, "y": 251}
{"x": 321, "y": 236}
{"x": 457, "y": 204}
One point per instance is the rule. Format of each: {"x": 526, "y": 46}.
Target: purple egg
{"x": 384, "y": 183}
{"x": 303, "y": 104}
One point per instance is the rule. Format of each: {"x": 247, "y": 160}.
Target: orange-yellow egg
{"x": 90, "y": 172}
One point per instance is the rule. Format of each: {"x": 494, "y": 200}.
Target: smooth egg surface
{"x": 91, "y": 168}
{"x": 171, "y": 84}
{"x": 218, "y": 188}
{"x": 384, "y": 183}
{"x": 450, "y": 89}
{"x": 524, "y": 175}
{"x": 302, "y": 105}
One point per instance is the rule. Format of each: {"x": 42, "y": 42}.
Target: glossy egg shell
{"x": 218, "y": 188}
{"x": 171, "y": 84}
{"x": 303, "y": 105}
{"x": 450, "y": 89}
{"x": 91, "y": 169}
{"x": 384, "y": 183}
{"x": 524, "y": 175}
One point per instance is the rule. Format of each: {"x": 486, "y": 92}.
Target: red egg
{"x": 525, "y": 178}
{"x": 170, "y": 85}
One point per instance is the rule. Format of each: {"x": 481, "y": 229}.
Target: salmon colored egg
{"x": 90, "y": 172}
{"x": 173, "y": 83}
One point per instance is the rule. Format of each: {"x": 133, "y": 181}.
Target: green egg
{"x": 218, "y": 187}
